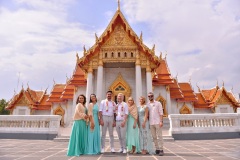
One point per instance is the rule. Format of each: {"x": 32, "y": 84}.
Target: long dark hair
{"x": 90, "y": 101}
{"x": 83, "y": 98}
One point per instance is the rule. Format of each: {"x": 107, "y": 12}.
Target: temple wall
{"x": 110, "y": 74}
{"x": 174, "y": 107}
{"x": 21, "y": 110}
{"x": 224, "y": 108}
{"x": 42, "y": 112}
{"x": 202, "y": 111}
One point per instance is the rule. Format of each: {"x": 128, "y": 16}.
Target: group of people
{"x": 136, "y": 126}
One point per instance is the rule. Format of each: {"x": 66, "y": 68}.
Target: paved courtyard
{"x": 178, "y": 150}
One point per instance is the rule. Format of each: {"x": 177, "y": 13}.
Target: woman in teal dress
{"x": 132, "y": 128}
{"x": 146, "y": 144}
{"x": 94, "y": 144}
{"x": 79, "y": 137}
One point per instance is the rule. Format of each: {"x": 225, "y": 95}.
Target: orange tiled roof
{"x": 232, "y": 97}
{"x": 201, "y": 102}
{"x": 118, "y": 18}
{"x": 68, "y": 92}
{"x": 209, "y": 94}
{"x": 35, "y": 99}
{"x": 78, "y": 78}
{"x": 175, "y": 91}
{"x": 213, "y": 96}
{"x": 188, "y": 93}
{"x": 56, "y": 93}
{"x": 163, "y": 75}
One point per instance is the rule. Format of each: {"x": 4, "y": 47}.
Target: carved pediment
{"x": 22, "y": 101}
{"x": 119, "y": 37}
{"x": 223, "y": 100}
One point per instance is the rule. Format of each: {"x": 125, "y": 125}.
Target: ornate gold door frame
{"x": 119, "y": 85}
{"x": 60, "y": 111}
{"x": 163, "y": 102}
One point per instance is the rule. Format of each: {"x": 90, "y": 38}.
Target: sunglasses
{"x": 150, "y": 96}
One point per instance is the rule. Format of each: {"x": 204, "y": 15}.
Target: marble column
{"x": 138, "y": 80}
{"x": 100, "y": 79}
{"x": 89, "y": 89}
{"x": 149, "y": 78}
{"x": 168, "y": 101}
{"x": 100, "y": 82}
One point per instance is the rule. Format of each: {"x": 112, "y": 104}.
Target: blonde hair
{"x": 122, "y": 96}
{"x": 144, "y": 99}
{"x": 130, "y": 98}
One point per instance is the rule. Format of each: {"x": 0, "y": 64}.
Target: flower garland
{"x": 107, "y": 107}
{"x": 122, "y": 109}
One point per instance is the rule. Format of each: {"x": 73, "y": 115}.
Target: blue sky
{"x": 39, "y": 39}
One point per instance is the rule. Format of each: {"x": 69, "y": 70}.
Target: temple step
{"x": 66, "y": 139}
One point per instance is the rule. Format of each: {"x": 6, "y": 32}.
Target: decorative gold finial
{"x": 77, "y": 56}
{"x": 223, "y": 84}
{"x": 217, "y": 84}
{"x": 67, "y": 78}
{"x": 46, "y": 89}
{"x": 84, "y": 50}
{"x": 189, "y": 79}
{"x": 165, "y": 55}
{"x": 96, "y": 37}
{"x": 22, "y": 87}
{"x": 118, "y": 5}
{"x": 177, "y": 76}
{"x": 153, "y": 49}
{"x": 54, "y": 82}
{"x": 141, "y": 38}
{"x": 28, "y": 85}
{"x": 232, "y": 89}
{"x": 199, "y": 90}
{"x": 160, "y": 57}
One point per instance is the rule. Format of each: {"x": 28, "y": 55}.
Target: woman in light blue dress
{"x": 79, "y": 137}
{"x": 94, "y": 141}
{"x": 146, "y": 144}
{"x": 132, "y": 128}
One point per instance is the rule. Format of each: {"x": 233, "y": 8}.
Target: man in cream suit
{"x": 106, "y": 114}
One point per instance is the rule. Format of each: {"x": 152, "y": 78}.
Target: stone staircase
{"x": 65, "y": 133}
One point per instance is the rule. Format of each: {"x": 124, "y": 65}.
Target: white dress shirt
{"x": 103, "y": 107}
{"x": 121, "y": 113}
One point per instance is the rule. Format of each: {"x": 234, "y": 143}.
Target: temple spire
{"x": 118, "y": 5}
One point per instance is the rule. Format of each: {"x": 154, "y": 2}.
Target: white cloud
{"x": 39, "y": 43}
{"x": 201, "y": 37}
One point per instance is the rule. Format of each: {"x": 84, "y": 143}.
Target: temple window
{"x": 119, "y": 88}
{"x": 125, "y": 54}
{"x": 105, "y": 55}
{"x": 112, "y": 54}
{"x": 131, "y": 54}
{"x": 119, "y": 54}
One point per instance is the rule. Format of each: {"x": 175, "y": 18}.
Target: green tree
{"x": 3, "y": 104}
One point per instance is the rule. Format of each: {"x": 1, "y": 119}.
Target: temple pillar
{"x": 89, "y": 89}
{"x": 99, "y": 82}
{"x": 138, "y": 79}
{"x": 100, "y": 78}
{"x": 168, "y": 101}
{"x": 148, "y": 78}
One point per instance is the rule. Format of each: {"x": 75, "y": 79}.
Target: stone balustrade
{"x": 205, "y": 126}
{"x": 24, "y": 126}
